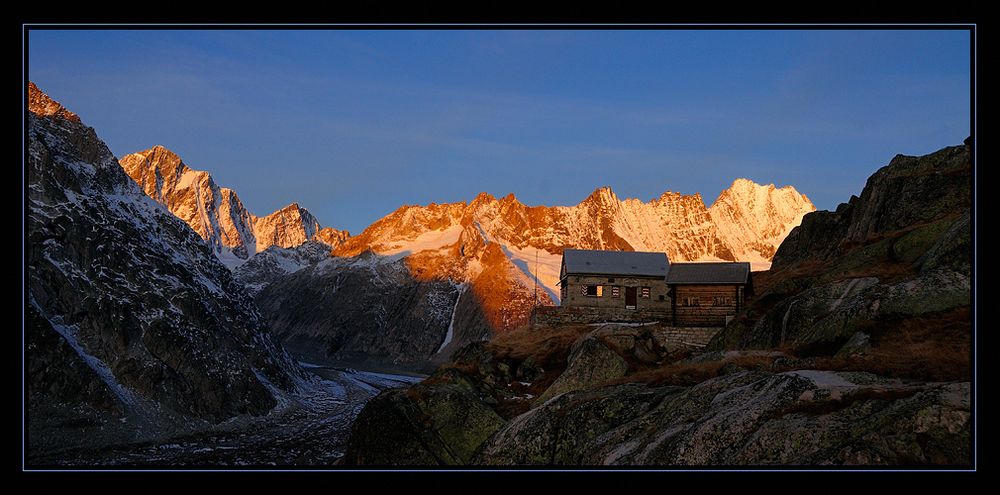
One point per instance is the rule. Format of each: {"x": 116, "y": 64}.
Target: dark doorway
{"x": 630, "y": 297}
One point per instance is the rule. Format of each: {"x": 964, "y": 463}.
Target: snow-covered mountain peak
{"x": 216, "y": 213}
{"x": 755, "y": 218}
{"x": 162, "y": 151}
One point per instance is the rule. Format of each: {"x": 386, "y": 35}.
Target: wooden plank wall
{"x": 706, "y": 313}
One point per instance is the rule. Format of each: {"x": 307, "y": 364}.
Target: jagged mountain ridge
{"x": 132, "y": 323}
{"x": 217, "y": 214}
{"x": 747, "y": 222}
{"x": 464, "y": 272}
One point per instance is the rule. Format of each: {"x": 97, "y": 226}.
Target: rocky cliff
{"x": 131, "y": 321}
{"x": 217, "y": 214}
{"x": 895, "y": 256}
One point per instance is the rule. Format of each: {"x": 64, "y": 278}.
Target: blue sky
{"x": 352, "y": 124}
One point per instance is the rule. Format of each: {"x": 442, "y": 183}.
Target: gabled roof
{"x": 585, "y": 261}
{"x": 709, "y": 273}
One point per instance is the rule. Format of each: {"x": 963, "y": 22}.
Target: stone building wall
{"x": 555, "y": 315}
{"x": 575, "y": 283}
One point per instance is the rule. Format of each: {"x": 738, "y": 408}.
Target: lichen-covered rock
{"x": 952, "y": 249}
{"x": 833, "y": 312}
{"x": 746, "y": 418}
{"x": 908, "y": 192}
{"x": 900, "y": 250}
{"x": 560, "y": 432}
{"x": 438, "y": 423}
{"x": 859, "y": 343}
{"x": 590, "y": 363}
{"x": 388, "y": 432}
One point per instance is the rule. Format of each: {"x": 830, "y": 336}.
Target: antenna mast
{"x": 534, "y": 290}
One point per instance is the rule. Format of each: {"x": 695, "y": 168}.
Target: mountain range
{"x": 425, "y": 280}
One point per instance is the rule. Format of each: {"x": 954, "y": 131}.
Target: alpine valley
{"x": 166, "y": 324}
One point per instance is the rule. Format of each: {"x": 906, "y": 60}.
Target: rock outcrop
{"x": 756, "y": 408}
{"x": 901, "y": 251}
{"x": 591, "y": 363}
{"x": 360, "y": 311}
{"x": 428, "y": 425}
{"x": 129, "y": 313}
{"x": 801, "y": 418}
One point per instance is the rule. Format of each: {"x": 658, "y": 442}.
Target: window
{"x": 661, "y": 297}
{"x": 592, "y": 290}
{"x": 600, "y": 291}
{"x": 722, "y": 301}
{"x": 611, "y": 280}
{"x": 616, "y": 291}
{"x": 690, "y": 301}
{"x": 645, "y": 292}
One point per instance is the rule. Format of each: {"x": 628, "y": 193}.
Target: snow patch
{"x": 188, "y": 179}
{"x": 428, "y": 241}
{"x": 229, "y": 259}
{"x": 100, "y": 367}
{"x": 548, "y": 267}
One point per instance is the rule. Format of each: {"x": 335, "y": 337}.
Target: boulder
{"x": 590, "y": 363}
{"x": 859, "y": 343}
{"x": 437, "y": 423}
